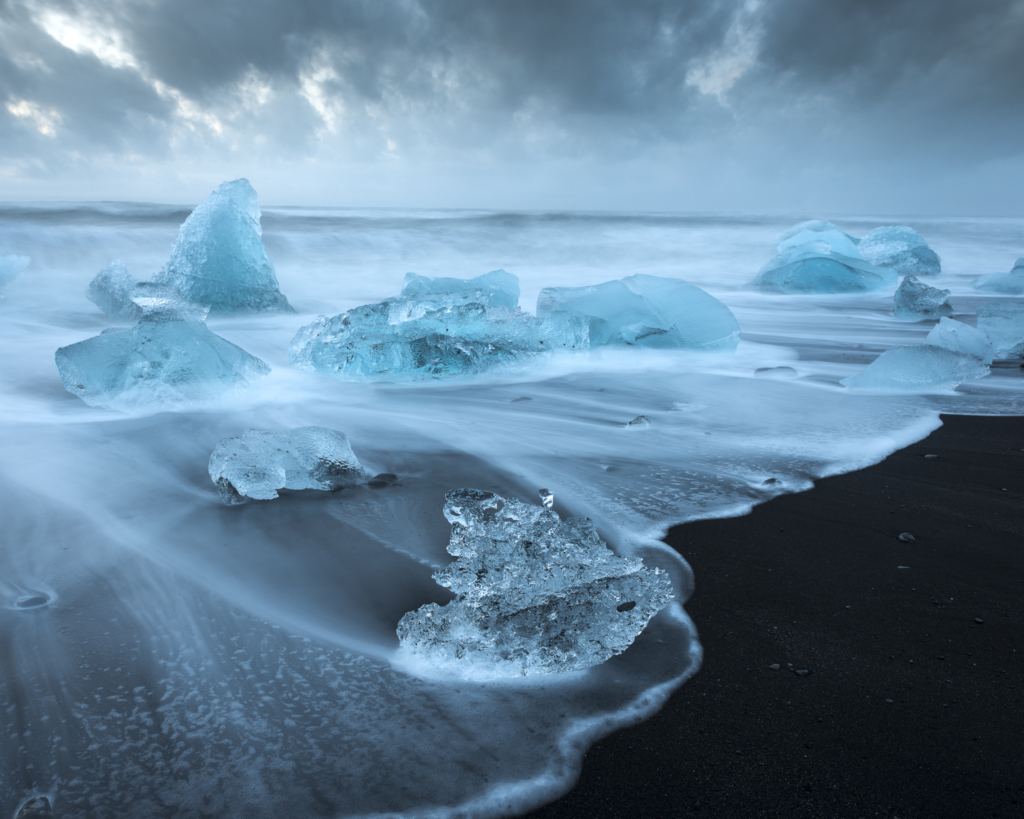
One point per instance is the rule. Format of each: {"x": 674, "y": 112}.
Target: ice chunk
{"x": 901, "y": 248}
{"x": 408, "y": 339}
{"x": 534, "y": 594}
{"x": 11, "y": 267}
{"x": 219, "y": 259}
{"x": 646, "y": 311}
{"x": 925, "y": 368}
{"x": 961, "y": 338}
{"x": 1003, "y": 322}
{"x": 496, "y": 289}
{"x": 259, "y": 463}
{"x": 1012, "y": 283}
{"x": 160, "y": 362}
{"x": 916, "y": 301}
{"x": 124, "y": 299}
{"x": 817, "y": 257}
{"x": 640, "y": 422}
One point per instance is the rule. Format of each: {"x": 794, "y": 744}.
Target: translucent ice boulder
{"x": 1012, "y": 283}
{"x": 646, "y": 311}
{"x": 901, "y": 248}
{"x": 534, "y": 594}
{"x": 219, "y": 259}
{"x": 924, "y": 368}
{"x": 961, "y": 338}
{"x": 126, "y": 300}
{"x": 495, "y": 289}
{"x": 817, "y": 257}
{"x": 1003, "y": 322}
{"x": 410, "y": 339}
{"x": 916, "y": 301}
{"x": 163, "y": 361}
{"x": 259, "y": 463}
{"x": 10, "y": 268}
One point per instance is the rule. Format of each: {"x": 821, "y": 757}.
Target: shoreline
{"x": 911, "y": 707}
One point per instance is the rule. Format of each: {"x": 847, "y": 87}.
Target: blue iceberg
{"x": 1011, "y": 284}
{"x": 924, "y": 368}
{"x": 818, "y": 257}
{"x": 645, "y": 311}
{"x": 494, "y": 289}
{"x": 961, "y": 338}
{"x": 219, "y": 259}
{"x": 916, "y": 301}
{"x": 441, "y": 336}
{"x": 259, "y": 463}
{"x": 901, "y": 248}
{"x": 10, "y": 268}
{"x": 169, "y": 359}
{"x": 534, "y": 594}
{"x": 1003, "y": 322}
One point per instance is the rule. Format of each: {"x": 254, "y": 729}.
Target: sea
{"x": 165, "y": 655}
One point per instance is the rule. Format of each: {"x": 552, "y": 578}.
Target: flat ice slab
{"x": 534, "y": 594}
{"x": 161, "y": 362}
{"x": 646, "y": 311}
{"x": 219, "y": 259}
{"x": 961, "y": 338}
{"x": 916, "y": 301}
{"x": 902, "y": 248}
{"x": 259, "y": 463}
{"x": 924, "y": 368}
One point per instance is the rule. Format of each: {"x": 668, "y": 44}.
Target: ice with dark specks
{"x": 219, "y": 259}
{"x": 259, "y": 463}
{"x": 917, "y": 301}
{"x": 535, "y": 594}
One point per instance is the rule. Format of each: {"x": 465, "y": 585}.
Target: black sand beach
{"x": 914, "y": 701}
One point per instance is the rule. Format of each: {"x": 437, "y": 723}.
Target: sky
{"x": 726, "y": 106}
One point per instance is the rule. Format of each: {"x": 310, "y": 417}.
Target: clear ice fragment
{"x": 646, "y": 311}
{"x": 11, "y": 267}
{"x": 916, "y": 301}
{"x": 961, "y": 338}
{"x": 495, "y": 289}
{"x": 219, "y": 259}
{"x": 1011, "y": 284}
{"x": 901, "y": 248}
{"x": 158, "y": 363}
{"x": 411, "y": 339}
{"x": 924, "y": 368}
{"x": 534, "y": 594}
{"x": 817, "y": 257}
{"x": 126, "y": 300}
{"x": 1003, "y": 322}
{"x": 259, "y": 463}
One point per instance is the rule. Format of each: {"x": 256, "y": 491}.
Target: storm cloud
{"x": 730, "y": 104}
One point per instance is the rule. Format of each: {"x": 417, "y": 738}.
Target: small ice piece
{"x": 126, "y": 300}
{"x": 1011, "y": 284}
{"x": 646, "y": 311}
{"x": 534, "y": 594}
{"x": 817, "y": 257}
{"x": 496, "y": 289}
{"x": 961, "y": 338}
{"x": 547, "y": 498}
{"x": 11, "y": 267}
{"x": 409, "y": 339}
{"x": 781, "y": 373}
{"x": 1003, "y": 322}
{"x": 161, "y": 362}
{"x": 219, "y": 259}
{"x": 902, "y": 248}
{"x": 916, "y": 301}
{"x": 259, "y": 463}
{"x": 924, "y": 368}
{"x": 639, "y": 422}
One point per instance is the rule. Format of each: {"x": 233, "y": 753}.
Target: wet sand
{"x": 900, "y": 691}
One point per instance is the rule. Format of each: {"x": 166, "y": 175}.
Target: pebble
{"x": 978, "y": 620}
{"x": 775, "y": 666}
{"x": 931, "y": 456}
{"x": 888, "y": 700}
{"x": 906, "y": 537}
{"x": 802, "y": 672}
{"x": 382, "y": 480}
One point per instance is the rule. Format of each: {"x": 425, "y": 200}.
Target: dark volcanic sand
{"x": 811, "y": 580}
